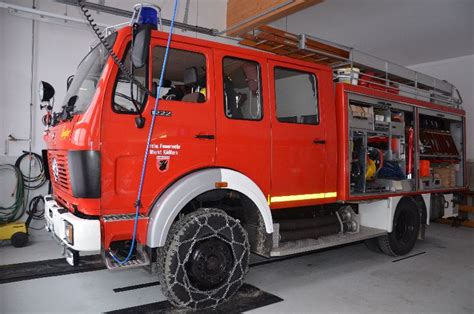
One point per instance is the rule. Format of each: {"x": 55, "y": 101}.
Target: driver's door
{"x": 182, "y": 139}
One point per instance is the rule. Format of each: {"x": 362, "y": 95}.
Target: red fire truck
{"x": 251, "y": 152}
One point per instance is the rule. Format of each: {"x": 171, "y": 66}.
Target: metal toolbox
{"x": 397, "y": 128}
{"x": 361, "y": 117}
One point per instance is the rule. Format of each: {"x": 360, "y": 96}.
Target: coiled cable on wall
{"x": 14, "y": 211}
{"x": 32, "y": 182}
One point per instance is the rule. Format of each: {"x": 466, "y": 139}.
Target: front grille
{"x": 59, "y": 176}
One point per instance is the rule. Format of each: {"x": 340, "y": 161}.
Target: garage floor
{"x": 439, "y": 277}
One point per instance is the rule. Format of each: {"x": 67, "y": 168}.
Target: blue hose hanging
{"x": 150, "y": 133}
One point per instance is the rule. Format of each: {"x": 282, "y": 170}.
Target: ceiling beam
{"x": 128, "y": 14}
{"x": 244, "y": 15}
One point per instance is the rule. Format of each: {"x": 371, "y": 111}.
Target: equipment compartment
{"x": 441, "y": 143}
{"x": 397, "y": 148}
{"x": 381, "y": 158}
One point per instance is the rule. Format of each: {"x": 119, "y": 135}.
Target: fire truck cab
{"x": 251, "y": 152}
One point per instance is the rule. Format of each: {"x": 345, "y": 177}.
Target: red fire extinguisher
{"x": 410, "y": 153}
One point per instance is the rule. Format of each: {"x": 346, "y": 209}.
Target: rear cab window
{"x": 296, "y": 96}
{"x": 242, "y": 89}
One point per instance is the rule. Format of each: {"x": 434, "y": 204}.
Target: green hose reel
{"x": 17, "y": 209}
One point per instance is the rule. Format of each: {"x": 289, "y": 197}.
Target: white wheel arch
{"x": 173, "y": 200}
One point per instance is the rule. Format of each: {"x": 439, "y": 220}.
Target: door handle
{"x": 319, "y": 141}
{"x": 205, "y": 136}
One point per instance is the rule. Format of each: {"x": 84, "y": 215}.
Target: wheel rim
{"x": 210, "y": 264}
{"x": 405, "y": 227}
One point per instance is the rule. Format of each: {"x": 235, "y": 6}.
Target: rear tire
{"x": 406, "y": 225}
{"x": 205, "y": 259}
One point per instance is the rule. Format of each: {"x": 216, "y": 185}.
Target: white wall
{"x": 59, "y": 47}
{"x": 460, "y": 72}
{"x": 58, "y": 51}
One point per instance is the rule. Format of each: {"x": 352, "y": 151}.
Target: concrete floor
{"x": 347, "y": 279}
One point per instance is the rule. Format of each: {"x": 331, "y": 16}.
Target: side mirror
{"x": 72, "y": 101}
{"x": 69, "y": 81}
{"x": 141, "y": 45}
{"x": 67, "y": 109}
{"x": 145, "y": 18}
{"x": 45, "y": 91}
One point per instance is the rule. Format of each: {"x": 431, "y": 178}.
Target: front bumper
{"x": 86, "y": 232}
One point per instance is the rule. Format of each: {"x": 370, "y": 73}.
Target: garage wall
{"x": 59, "y": 47}
{"x": 460, "y": 72}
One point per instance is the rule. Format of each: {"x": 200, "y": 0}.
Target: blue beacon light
{"x": 148, "y": 16}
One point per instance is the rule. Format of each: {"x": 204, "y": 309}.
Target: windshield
{"x": 83, "y": 87}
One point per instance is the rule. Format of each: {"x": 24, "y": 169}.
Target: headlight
{"x": 69, "y": 232}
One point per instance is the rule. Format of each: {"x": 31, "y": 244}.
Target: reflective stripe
{"x": 302, "y": 197}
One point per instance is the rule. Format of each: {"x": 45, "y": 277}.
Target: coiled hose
{"x": 32, "y": 182}
{"x": 17, "y": 209}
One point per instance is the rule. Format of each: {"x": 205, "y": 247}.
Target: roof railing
{"x": 373, "y": 72}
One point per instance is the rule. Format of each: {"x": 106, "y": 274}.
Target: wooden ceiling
{"x": 287, "y": 44}
{"x": 245, "y": 15}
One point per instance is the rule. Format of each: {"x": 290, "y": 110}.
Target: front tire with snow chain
{"x": 406, "y": 225}
{"x": 205, "y": 259}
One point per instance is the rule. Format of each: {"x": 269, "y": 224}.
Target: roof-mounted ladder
{"x": 375, "y": 72}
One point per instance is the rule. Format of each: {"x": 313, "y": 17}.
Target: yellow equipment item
{"x": 371, "y": 169}
{"x": 16, "y": 232}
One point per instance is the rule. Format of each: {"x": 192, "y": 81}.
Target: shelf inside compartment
{"x": 440, "y": 151}
{"x": 379, "y": 149}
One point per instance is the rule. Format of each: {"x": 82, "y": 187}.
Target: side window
{"x": 185, "y": 75}
{"x": 242, "y": 89}
{"x": 296, "y": 96}
{"x": 126, "y": 93}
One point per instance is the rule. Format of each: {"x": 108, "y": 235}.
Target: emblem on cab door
{"x": 162, "y": 163}
{"x": 65, "y": 133}
{"x": 54, "y": 166}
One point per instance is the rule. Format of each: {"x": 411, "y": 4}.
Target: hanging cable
{"x": 33, "y": 209}
{"x": 150, "y": 133}
{"x": 32, "y": 182}
{"x": 35, "y": 212}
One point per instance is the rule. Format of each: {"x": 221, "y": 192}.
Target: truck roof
{"x": 233, "y": 48}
